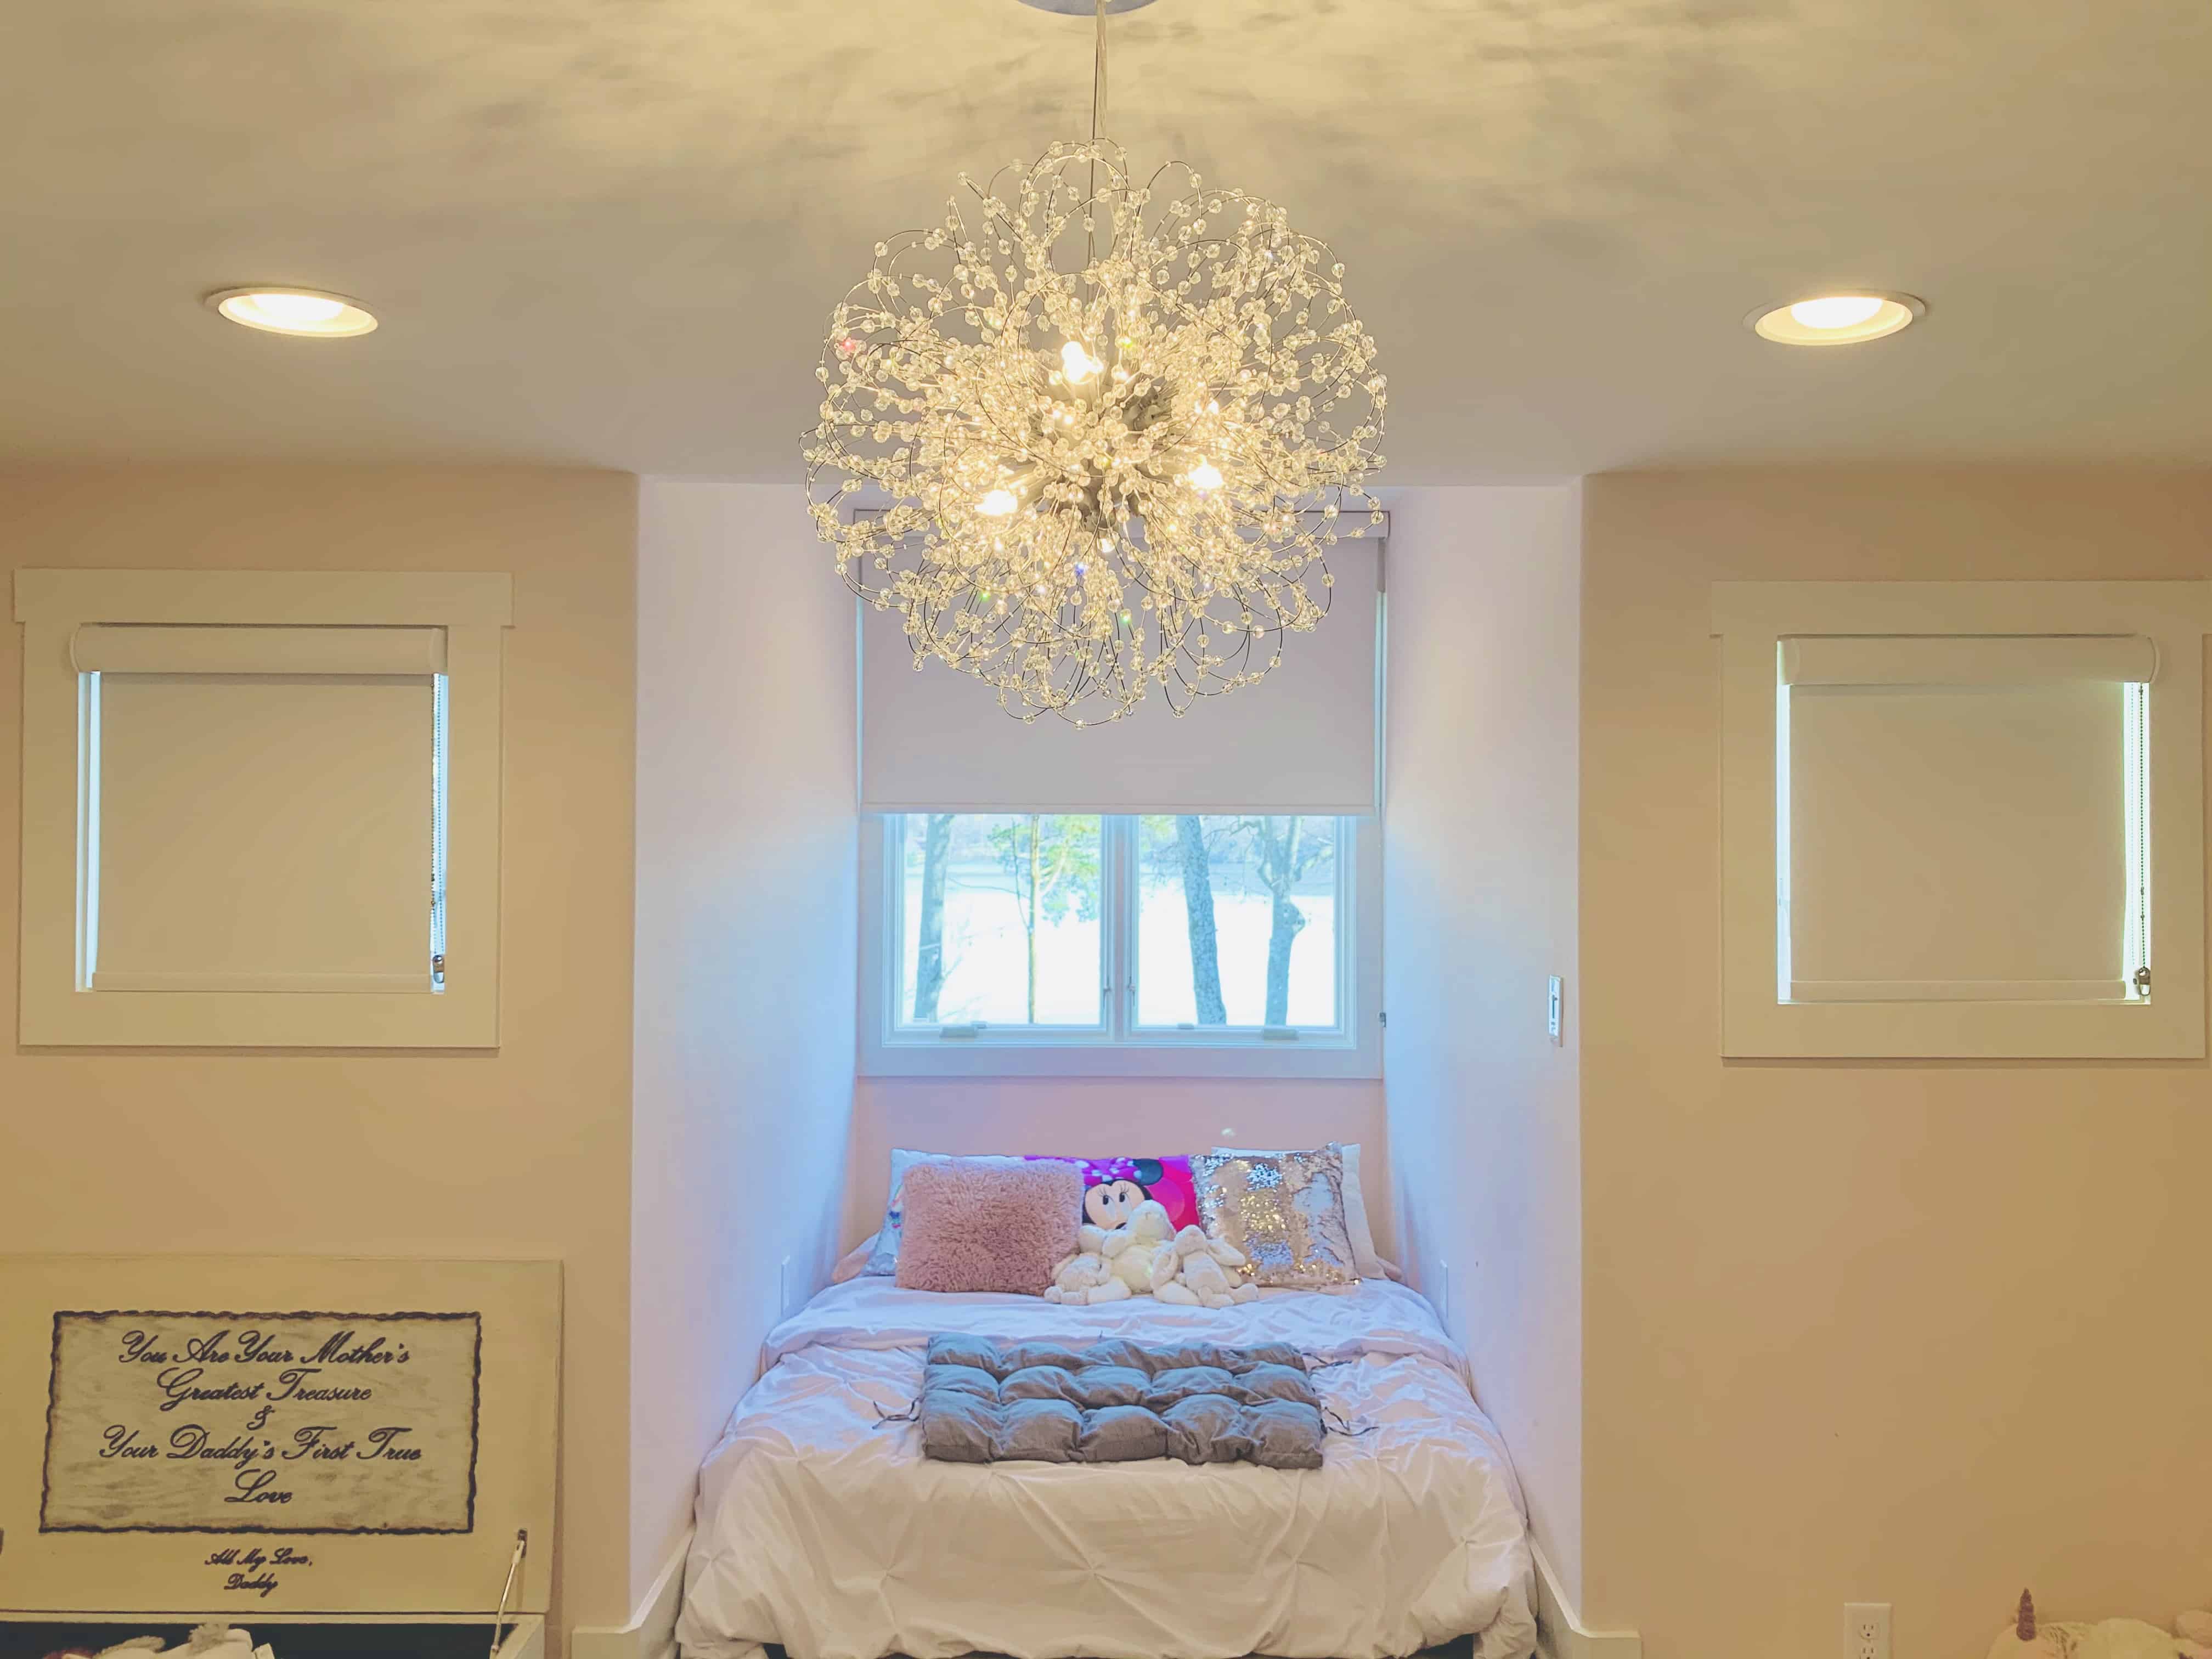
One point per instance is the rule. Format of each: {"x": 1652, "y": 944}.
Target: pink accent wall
{"x": 1479, "y": 911}
{"x": 747, "y": 884}
{"x": 1094, "y": 1117}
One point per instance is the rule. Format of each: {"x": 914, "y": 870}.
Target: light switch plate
{"x": 1558, "y": 1008}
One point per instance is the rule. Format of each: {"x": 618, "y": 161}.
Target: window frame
{"x": 894, "y": 925}
{"x": 1750, "y": 620}
{"x": 60, "y": 1005}
{"x": 1118, "y": 1046}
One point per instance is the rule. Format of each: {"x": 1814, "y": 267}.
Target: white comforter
{"x": 826, "y": 1530}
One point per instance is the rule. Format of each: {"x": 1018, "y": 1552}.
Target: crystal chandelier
{"x": 1092, "y": 437}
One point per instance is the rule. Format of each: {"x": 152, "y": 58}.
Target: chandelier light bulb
{"x": 998, "y": 503}
{"x": 1205, "y": 475}
{"x": 1076, "y": 364}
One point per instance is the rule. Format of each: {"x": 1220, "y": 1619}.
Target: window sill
{"x": 1314, "y": 1057}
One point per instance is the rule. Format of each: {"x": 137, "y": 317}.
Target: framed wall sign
{"x": 272, "y": 1434}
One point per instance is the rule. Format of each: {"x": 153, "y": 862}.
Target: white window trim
{"x": 1752, "y": 619}
{"x": 1351, "y": 1050}
{"x": 56, "y": 1007}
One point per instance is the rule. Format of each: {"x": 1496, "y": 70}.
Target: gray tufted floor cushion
{"x": 1118, "y": 1401}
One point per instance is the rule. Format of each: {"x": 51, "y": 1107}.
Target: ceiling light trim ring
{"x": 350, "y": 320}
{"x": 1773, "y": 321}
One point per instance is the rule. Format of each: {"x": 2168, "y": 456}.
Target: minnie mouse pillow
{"x": 1114, "y": 1187}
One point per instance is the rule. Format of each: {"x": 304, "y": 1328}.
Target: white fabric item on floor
{"x": 826, "y": 1531}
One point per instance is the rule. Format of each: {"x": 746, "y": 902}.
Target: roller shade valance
{"x": 1966, "y": 659}
{"x": 1302, "y": 741}
{"x": 193, "y": 648}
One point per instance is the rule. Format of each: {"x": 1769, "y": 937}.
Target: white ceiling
{"x": 609, "y": 232}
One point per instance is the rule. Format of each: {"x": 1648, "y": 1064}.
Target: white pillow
{"x": 883, "y": 1258}
{"x": 1366, "y": 1260}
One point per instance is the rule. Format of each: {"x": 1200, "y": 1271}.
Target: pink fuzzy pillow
{"x": 979, "y": 1224}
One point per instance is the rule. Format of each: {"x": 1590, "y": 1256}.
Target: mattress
{"x": 823, "y": 1527}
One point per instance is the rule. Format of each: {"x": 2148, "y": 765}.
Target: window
{"x": 1900, "y": 797}
{"x": 1236, "y": 923}
{"x": 1962, "y": 819}
{"x": 260, "y": 809}
{"x": 999, "y": 921}
{"x": 1153, "y": 943}
{"x": 212, "y": 897}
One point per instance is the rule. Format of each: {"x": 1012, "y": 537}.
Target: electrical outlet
{"x": 1866, "y": 1630}
{"x": 1557, "y": 1002}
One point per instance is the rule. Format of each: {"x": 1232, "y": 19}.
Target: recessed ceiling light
{"x": 293, "y": 310}
{"x": 1837, "y": 318}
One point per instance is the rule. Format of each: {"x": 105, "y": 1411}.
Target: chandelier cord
{"x": 1097, "y": 111}
{"x": 1098, "y": 76}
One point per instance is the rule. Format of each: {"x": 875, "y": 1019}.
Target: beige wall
{"x": 747, "y": 880}
{"x": 524, "y": 1153}
{"x": 1905, "y": 1332}
{"x": 1479, "y": 913}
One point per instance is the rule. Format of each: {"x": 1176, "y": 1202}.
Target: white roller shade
{"x": 262, "y": 833}
{"x": 1957, "y": 842}
{"x": 1955, "y": 659}
{"x": 1302, "y": 741}
{"x": 136, "y": 648}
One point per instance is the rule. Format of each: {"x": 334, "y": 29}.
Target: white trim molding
{"x": 437, "y": 638}
{"x": 651, "y": 1632}
{"x": 1931, "y": 648}
{"x": 1560, "y": 1631}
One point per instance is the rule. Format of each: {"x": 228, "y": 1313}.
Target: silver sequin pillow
{"x": 1285, "y": 1211}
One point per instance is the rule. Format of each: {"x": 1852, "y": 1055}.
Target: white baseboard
{"x": 651, "y": 1632}
{"x": 1560, "y": 1631}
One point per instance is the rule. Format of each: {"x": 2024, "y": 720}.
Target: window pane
{"x": 1001, "y": 919}
{"x": 1237, "y": 921}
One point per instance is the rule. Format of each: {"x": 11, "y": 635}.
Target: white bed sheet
{"x": 823, "y": 1530}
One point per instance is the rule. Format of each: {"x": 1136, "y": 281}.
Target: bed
{"x": 823, "y": 1528}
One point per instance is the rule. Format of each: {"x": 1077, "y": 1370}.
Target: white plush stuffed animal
{"x": 1199, "y": 1280}
{"x": 2110, "y": 1638}
{"x": 1141, "y": 1250}
{"x": 1086, "y": 1276}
